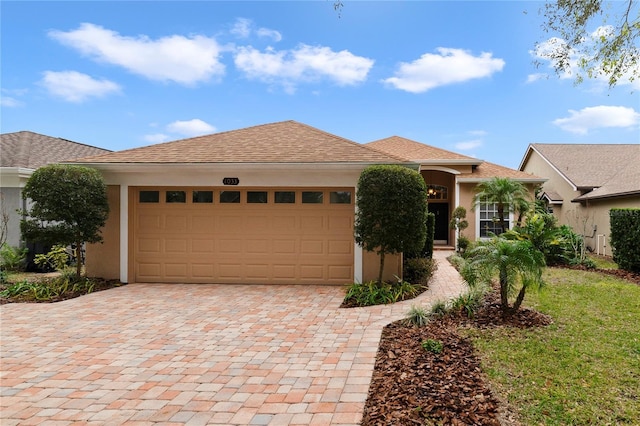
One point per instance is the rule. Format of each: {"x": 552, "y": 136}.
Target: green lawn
{"x": 583, "y": 369}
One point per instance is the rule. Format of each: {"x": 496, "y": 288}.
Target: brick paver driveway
{"x": 195, "y": 354}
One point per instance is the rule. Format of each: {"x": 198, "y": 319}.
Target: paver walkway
{"x": 196, "y": 354}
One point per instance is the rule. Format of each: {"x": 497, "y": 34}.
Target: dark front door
{"x": 441, "y": 210}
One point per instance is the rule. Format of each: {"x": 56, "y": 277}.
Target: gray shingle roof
{"x": 612, "y": 169}
{"x": 32, "y": 150}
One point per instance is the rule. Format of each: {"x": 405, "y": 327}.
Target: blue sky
{"x": 456, "y": 75}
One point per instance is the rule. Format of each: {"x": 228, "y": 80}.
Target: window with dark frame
{"x": 285, "y": 197}
{"x": 149, "y": 197}
{"x": 340, "y": 197}
{"x": 257, "y": 197}
{"x": 202, "y": 197}
{"x": 312, "y": 197}
{"x": 176, "y": 197}
{"x": 229, "y": 197}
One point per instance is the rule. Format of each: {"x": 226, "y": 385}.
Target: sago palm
{"x": 517, "y": 264}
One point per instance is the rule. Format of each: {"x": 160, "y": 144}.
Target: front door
{"x": 441, "y": 210}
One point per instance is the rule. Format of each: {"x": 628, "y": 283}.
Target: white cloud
{"x": 268, "y": 33}
{"x": 195, "y": 127}
{"x": 448, "y": 66}
{"x": 303, "y": 64}
{"x": 73, "y": 86}
{"x": 243, "y": 28}
{"x": 184, "y": 60}
{"x": 478, "y": 132}
{"x": 535, "y": 77}
{"x": 156, "y": 138}
{"x": 9, "y": 102}
{"x": 601, "y": 116}
{"x": 469, "y": 145}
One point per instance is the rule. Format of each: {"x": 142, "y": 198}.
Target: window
{"x": 285, "y": 197}
{"x": 340, "y": 197}
{"x": 312, "y": 197}
{"x": 489, "y": 222}
{"x": 230, "y": 196}
{"x": 437, "y": 192}
{"x": 257, "y": 197}
{"x": 149, "y": 196}
{"x": 176, "y": 197}
{"x": 202, "y": 197}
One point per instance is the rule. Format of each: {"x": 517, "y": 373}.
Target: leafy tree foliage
{"x": 392, "y": 211}
{"x": 508, "y": 195}
{"x": 69, "y": 206}
{"x": 596, "y": 37}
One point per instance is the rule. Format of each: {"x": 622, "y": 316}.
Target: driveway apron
{"x": 196, "y": 354}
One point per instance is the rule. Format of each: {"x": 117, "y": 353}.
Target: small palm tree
{"x": 508, "y": 195}
{"x": 517, "y": 263}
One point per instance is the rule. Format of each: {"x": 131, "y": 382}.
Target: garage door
{"x": 252, "y": 235}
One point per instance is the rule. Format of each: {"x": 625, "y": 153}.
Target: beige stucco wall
{"x": 371, "y": 266}
{"x": 593, "y": 220}
{"x": 103, "y": 259}
{"x": 467, "y": 191}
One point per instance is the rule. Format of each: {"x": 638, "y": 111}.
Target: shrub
{"x": 57, "y": 258}
{"x": 391, "y": 211}
{"x": 439, "y": 308}
{"x": 417, "y": 316}
{"x": 433, "y": 346}
{"x": 374, "y": 293}
{"x": 12, "y": 258}
{"x": 625, "y": 238}
{"x": 469, "y": 302}
{"x": 427, "y": 250}
{"x": 463, "y": 243}
{"x": 418, "y": 270}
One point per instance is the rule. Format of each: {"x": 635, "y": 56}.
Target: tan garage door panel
{"x": 214, "y": 242}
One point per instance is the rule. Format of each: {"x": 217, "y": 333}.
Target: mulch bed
{"x": 99, "y": 285}
{"x": 411, "y": 386}
{"x": 625, "y": 275}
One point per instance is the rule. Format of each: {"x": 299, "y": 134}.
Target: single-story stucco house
{"x": 21, "y": 153}
{"x": 273, "y": 203}
{"x": 585, "y": 181}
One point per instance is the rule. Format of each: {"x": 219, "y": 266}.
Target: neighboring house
{"x": 21, "y": 153}
{"x": 584, "y": 182}
{"x": 268, "y": 204}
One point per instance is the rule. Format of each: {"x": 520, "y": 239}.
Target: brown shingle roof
{"x": 590, "y": 165}
{"x": 488, "y": 170}
{"x": 415, "y": 151}
{"x": 282, "y": 142}
{"x": 32, "y": 150}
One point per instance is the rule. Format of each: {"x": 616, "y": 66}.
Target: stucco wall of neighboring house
{"x": 103, "y": 259}
{"x": 594, "y": 220}
{"x": 10, "y": 203}
{"x": 568, "y": 213}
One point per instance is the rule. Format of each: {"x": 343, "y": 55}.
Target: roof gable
{"x": 32, "y": 150}
{"x": 282, "y": 142}
{"x": 588, "y": 165}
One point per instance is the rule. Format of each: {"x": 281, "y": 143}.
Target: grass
{"x": 603, "y": 262}
{"x": 583, "y": 369}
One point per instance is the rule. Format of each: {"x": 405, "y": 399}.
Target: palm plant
{"x": 507, "y": 194}
{"x": 516, "y": 262}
